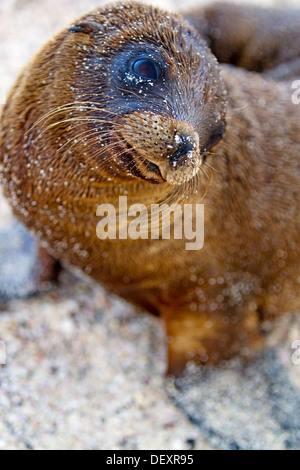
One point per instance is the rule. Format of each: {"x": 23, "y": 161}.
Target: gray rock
{"x": 251, "y": 406}
{"x": 18, "y": 262}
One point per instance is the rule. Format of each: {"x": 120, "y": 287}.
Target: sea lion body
{"x": 80, "y": 129}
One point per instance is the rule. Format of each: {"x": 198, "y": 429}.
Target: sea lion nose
{"x": 186, "y": 144}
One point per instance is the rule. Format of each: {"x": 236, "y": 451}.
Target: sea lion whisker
{"x": 80, "y": 137}
{"x": 109, "y": 157}
{"x": 77, "y": 140}
{"x": 211, "y": 167}
{"x": 58, "y": 110}
{"x": 92, "y": 142}
{"x": 75, "y": 119}
{"x": 101, "y": 152}
{"x": 77, "y": 106}
{"x": 131, "y": 92}
{"x": 205, "y": 173}
{"x": 206, "y": 185}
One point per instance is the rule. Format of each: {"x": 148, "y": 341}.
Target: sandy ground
{"x": 83, "y": 371}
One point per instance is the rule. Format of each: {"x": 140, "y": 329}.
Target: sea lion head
{"x": 140, "y": 95}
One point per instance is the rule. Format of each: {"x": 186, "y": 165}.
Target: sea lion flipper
{"x": 25, "y": 268}
{"x": 252, "y": 37}
{"x": 208, "y": 337}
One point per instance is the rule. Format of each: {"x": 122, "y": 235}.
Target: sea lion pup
{"x": 129, "y": 101}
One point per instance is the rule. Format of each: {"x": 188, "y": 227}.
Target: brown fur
{"x": 213, "y": 300}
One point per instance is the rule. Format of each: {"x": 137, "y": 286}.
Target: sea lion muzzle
{"x": 171, "y": 146}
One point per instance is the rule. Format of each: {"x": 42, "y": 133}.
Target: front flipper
{"x": 209, "y": 337}
{"x": 25, "y": 268}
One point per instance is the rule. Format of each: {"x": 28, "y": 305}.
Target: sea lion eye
{"x": 146, "y": 68}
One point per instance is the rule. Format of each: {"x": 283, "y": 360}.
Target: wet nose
{"x": 186, "y": 144}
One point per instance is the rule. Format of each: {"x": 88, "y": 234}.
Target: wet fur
{"x": 56, "y": 171}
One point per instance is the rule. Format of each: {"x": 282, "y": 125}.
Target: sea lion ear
{"x": 217, "y": 135}
{"x": 85, "y": 27}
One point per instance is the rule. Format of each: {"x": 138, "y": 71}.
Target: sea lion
{"x": 130, "y": 101}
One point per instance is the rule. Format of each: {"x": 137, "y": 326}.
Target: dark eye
{"x": 146, "y": 68}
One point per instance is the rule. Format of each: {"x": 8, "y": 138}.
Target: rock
{"x": 18, "y": 261}
{"x": 252, "y": 406}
